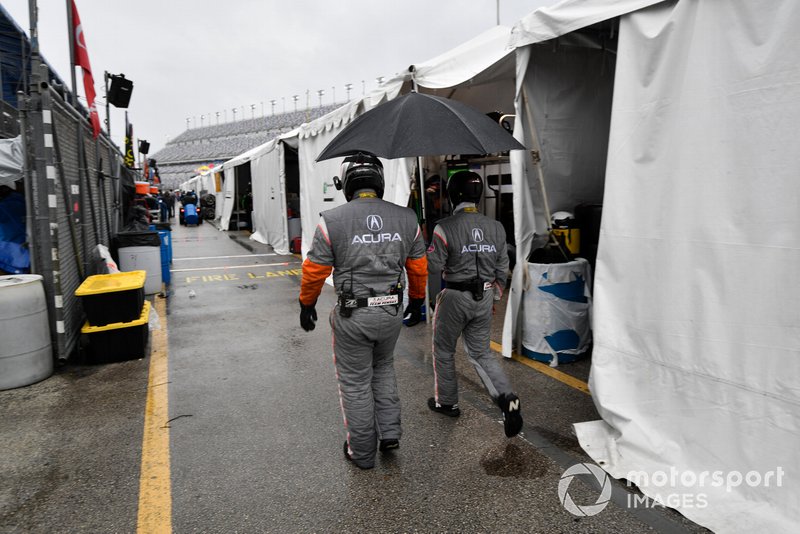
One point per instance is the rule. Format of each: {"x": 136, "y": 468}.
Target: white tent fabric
{"x": 466, "y": 61}
{"x": 268, "y": 174}
{"x": 697, "y": 345}
{"x": 570, "y": 15}
{"x": 11, "y": 160}
{"x": 224, "y": 209}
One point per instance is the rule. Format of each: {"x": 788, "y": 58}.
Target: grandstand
{"x": 182, "y": 156}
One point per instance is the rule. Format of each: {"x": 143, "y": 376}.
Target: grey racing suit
{"x": 470, "y": 249}
{"x": 369, "y": 243}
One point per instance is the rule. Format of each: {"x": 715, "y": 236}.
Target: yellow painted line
{"x": 155, "y": 492}
{"x": 543, "y": 368}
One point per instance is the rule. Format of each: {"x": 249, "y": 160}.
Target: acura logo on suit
{"x": 374, "y": 223}
{"x": 477, "y": 235}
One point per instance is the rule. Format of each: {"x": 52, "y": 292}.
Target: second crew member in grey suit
{"x": 470, "y": 249}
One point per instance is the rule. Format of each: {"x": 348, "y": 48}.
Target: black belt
{"x": 371, "y": 302}
{"x": 473, "y": 286}
{"x": 476, "y": 287}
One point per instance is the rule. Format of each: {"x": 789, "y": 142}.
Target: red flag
{"x": 82, "y": 60}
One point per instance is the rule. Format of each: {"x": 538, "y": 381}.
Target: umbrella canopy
{"x": 417, "y": 124}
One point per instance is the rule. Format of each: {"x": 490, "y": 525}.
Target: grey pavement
{"x": 256, "y": 431}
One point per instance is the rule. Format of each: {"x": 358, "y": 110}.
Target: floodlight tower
{"x": 320, "y": 92}
{"x": 348, "y": 86}
{"x": 272, "y": 102}
{"x": 252, "y": 111}
{"x": 295, "y": 98}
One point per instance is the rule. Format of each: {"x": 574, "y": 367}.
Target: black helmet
{"x": 464, "y": 186}
{"x": 361, "y": 171}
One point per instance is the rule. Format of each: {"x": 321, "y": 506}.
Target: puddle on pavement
{"x": 511, "y": 460}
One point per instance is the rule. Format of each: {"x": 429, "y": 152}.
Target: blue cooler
{"x": 190, "y": 214}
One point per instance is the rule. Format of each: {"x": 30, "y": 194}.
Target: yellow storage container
{"x": 112, "y": 298}
{"x": 571, "y": 237}
{"x": 119, "y": 341}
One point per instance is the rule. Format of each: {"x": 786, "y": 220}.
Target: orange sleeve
{"x": 417, "y": 269}
{"x": 313, "y": 279}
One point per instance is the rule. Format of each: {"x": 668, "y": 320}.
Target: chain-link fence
{"x": 73, "y": 184}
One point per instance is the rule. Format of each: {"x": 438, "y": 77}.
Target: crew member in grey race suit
{"x": 367, "y": 243}
{"x": 470, "y": 250}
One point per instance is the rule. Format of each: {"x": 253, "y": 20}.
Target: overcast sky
{"x": 189, "y": 58}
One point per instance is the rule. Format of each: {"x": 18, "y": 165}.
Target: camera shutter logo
{"x": 477, "y": 235}
{"x": 588, "y": 509}
{"x": 374, "y": 223}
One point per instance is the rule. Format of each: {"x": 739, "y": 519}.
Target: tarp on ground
{"x": 697, "y": 345}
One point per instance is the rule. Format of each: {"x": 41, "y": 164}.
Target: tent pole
{"x": 538, "y": 158}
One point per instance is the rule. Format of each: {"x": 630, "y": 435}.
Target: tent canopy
{"x": 695, "y": 360}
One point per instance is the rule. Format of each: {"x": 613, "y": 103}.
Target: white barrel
{"x": 26, "y": 354}
{"x": 557, "y": 311}
{"x": 143, "y": 259}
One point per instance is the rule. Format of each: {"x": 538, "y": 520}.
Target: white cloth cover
{"x": 225, "y": 208}
{"x": 11, "y": 160}
{"x": 697, "y": 345}
{"x": 268, "y": 178}
{"x": 554, "y": 311}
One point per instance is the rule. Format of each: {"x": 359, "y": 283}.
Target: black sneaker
{"x": 512, "y": 418}
{"x": 388, "y": 445}
{"x": 450, "y": 410}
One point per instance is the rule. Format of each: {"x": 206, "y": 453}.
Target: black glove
{"x": 308, "y": 316}
{"x": 413, "y": 313}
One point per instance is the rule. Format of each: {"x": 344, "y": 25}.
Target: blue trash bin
{"x": 166, "y": 254}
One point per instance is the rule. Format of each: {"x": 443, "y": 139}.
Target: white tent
{"x": 697, "y": 346}
{"x": 268, "y": 179}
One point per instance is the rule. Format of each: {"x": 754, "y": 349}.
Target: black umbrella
{"x": 417, "y": 124}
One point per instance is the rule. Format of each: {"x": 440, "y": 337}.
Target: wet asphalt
{"x": 256, "y": 431}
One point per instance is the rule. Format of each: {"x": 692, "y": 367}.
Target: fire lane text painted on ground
{"x": 234, "y": 277}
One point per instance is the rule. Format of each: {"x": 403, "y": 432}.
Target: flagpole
{"x": 71, "y": 31}
{"x": 108, "y": 107}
